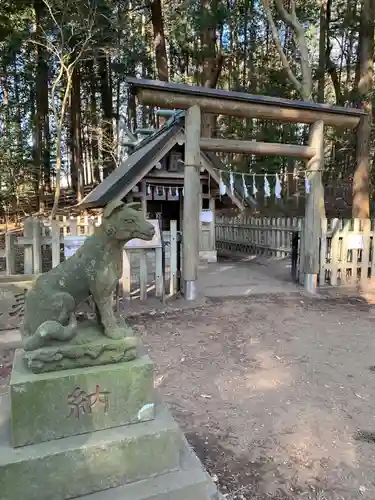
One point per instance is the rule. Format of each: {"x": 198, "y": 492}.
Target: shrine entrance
{"x": 197, "y": 100}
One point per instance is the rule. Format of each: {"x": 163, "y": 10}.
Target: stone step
{"x": 79, "y": 465}
{"x": 190, "y": 482}
{"x": 65, "y": 403}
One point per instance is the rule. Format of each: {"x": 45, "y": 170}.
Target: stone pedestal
{"x": 94, "y": 433}
{"x": 59, "y": 404}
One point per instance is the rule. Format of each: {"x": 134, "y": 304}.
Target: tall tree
{"x": 76, "y": 164}
{"x": 211, "y": 61}
{"x": 322, "y": 65}
{"x": 107, "y": 109}
{"x": 361, "y": 205}
{"x": 159, "y": 40}
{"x": 70, "y": 122}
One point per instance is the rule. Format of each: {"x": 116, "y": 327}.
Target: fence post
{"x": 365, "y": 263}
{"x": 73, "y": 226}
{"x": 55, "y": 236}
{"x": 28, "y": 249}
{"x": 126, "y": 276}
{"x": 158, "y": 272}
{"x": 10, "y": 253}
{"x": 173, "y": 259}
{"x": 91, "y": 227}
{"x": 300, "y": 251}
{"x": 323, "y": 252}
{"x": 143, "y": 274}
{"x": 37, "y": 246}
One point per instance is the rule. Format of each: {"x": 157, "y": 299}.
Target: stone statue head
{"x": 125, "y": 222}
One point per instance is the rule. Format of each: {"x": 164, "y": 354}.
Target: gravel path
{"x": 275, "y": 393}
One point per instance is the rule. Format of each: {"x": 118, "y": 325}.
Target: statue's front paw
{"x": 117, "y": 333}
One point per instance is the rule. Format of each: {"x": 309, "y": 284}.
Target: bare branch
{"x": 276, "y": 39}
{"x": 290, "y": 19}
{"x": 58, "y": 146}
{"x": 68, "y": 54}
{"x": 49, "y": 8}
{"x": 109, "y": 145}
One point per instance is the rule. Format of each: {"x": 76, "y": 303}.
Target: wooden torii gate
{"x": 196, "y": 100}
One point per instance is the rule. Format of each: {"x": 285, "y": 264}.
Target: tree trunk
{"x": 322, "y": 50}
{"x": 159, "y": 45}
{"x": 107, "y": 125}
{"x": 159, "y": 40}
{"x": 35, "y": 181}
{"x": 361, "y": 205}
{"x": 331, "y": 66}
{"x": 132, "y": 109}
{"x": 42, "y": 127}
{"x": 38, "y": 117}
{"x": 76, "y": 167}
{"x": 94, "y": 122}
{"x": 211, "y": 63}
{"x": 46, "y": 134}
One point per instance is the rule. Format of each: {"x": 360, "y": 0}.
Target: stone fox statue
{"x": 94, "y": 270}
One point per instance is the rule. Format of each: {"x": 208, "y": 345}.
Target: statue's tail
{"x": 51, "y": 330}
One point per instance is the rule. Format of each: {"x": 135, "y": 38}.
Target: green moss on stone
{"x": 58, "y": 404}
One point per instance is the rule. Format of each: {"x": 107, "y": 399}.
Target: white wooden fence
{"x": 347, "y": 255}
{"x": 269, "y": 236}
{"x": 347, "y": 246}
{"x": 143, "y": 271}
{"x": 347, "y": 252}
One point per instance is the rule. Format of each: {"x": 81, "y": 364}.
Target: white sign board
{"x": 206, "y": 216}
{"x": 138, "y": 244}
{"x": 356, "y": 242}
{"x": 71, "y": 244}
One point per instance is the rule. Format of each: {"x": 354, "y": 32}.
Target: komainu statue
{"x": 52, "y": 337}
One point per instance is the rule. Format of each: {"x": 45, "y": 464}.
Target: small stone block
{"x": 76, "y": 466}
{"x": 65, "y": 403}
{"x": 189, "y": 482}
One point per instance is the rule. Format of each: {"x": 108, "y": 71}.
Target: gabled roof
{"x": 143, "y": 159}
{"x": 112, "y": 186}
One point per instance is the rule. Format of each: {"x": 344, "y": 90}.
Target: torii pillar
{"x": 192, "y": 202}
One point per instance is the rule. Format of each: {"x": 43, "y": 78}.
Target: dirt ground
{"x": 274, "y": 392}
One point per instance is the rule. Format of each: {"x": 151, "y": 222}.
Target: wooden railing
{"x": 143, "y": 270}
{"x": 269, "y": 236}
{"x": 347, "y": 246}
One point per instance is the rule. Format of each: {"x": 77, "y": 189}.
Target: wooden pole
{"x": 256, "y": 148}
{"x": 55, "y": 235}
{"x": 144, "y": 197}
{"x": 192, "y": 203}
{"x": 212, "y": 224}
{"x": 37, "y": 246}
{"x": 173, "y": 259}
{"x": 10, "y": 253}
{"x": 314, "y": 211}
{"x": 242, "y": 109}
{"x": 28, "y": 231}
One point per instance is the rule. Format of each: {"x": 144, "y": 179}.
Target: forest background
{"x": 66, "y": 114}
